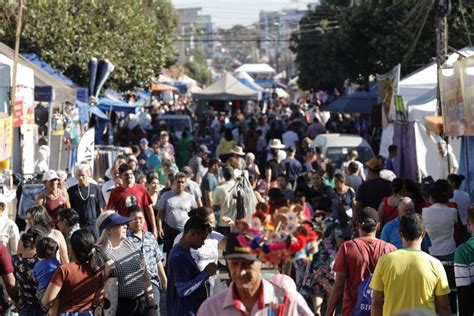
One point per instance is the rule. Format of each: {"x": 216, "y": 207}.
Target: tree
{"x": 338, "y": 42}
{"x": 133, "y": 35}
{"x": 196, "y": 67}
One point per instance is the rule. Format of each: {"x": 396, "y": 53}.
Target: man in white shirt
{"x": 449, "y": 163}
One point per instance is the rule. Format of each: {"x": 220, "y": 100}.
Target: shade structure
{"x": 359, "y": 102}
{"x": 162, "y": 87}
{"x": 256, "y": 69}
{"x": 48, "y": 88}
{"x": 227, "y": 88}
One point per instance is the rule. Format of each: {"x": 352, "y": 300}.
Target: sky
{"x": 226, "y": 13}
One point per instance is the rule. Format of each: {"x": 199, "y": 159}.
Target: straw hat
{"x": 276, "y": 144}
{"x": 238, "y": 151}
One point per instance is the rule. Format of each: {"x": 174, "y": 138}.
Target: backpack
{"x": 364, "y": 293}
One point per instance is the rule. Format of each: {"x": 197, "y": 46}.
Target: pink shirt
{"x": 226, "y": 303}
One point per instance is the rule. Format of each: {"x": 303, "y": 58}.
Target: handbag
{"x": 110, "y": 297}
{"x": 364, "y": 293}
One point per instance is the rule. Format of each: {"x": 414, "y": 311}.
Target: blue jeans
{"x": 156, "y": 296}
{"x": 28, "y": 197}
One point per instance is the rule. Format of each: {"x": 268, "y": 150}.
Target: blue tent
{"x": 359, "y": 102}
{"x": 81, "y": 93}
{"x": 107, "y": 104}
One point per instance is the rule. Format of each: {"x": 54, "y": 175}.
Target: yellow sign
{"x": 6, "y": 146}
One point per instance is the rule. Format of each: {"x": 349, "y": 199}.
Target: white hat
{"x": 238, "y": 151}
{"x": 50, "y": 175}
{"x": 276, "y": 144}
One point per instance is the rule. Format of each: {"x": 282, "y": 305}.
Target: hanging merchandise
{"x": 388, "y": 89}
{"x": 72, "y": 122}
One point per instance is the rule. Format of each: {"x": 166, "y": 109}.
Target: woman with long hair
{"x": 77, "y": 282}
{"x": 135, "y": 293}
{"x": 388, "y": 209}
{"x": 38, "y": 216}
{"x": 226, "y": 144}
{"x": 153, "y": 187}
{"x": 23, "y": 264}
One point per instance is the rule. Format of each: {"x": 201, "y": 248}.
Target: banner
{"x": 24, "y": 110}
{"x": 388, "y": 89}
{"x": 467, "y": 78}
{"x": 6, "y": 147}
{"x": 452, "y": 101}
{"x": 85, "y": 150}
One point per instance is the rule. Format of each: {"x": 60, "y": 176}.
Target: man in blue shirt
{"x": 186, "y": 283}
{"x": 151, "y": 252}
{"x": 210, "y": 182}
{"x": 391, "y": 230}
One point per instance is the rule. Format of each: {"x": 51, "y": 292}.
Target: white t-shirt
{"x": 453, "y": 163}
{"x": 463, "y": 200}
{"x": 176, "y": 208}
{"x": 439, "y": 222}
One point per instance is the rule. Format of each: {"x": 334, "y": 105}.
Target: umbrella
{"x": 359, "y": 102}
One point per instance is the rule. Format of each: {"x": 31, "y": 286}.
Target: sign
{"x": 452, "y": 101}
{"x": 85, "y": 150}
{"x": 6, "y": 147}
{"x": 24, "y": 110}
{"x": 467, "y": 78}
{"x": 388, "y": 89}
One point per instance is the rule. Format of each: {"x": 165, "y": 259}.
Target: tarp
{"x": 47, "y": 87}
{"x": 227, "y": 88}
{"x": 81, "y": 92}
{"x": 106, "y": 104}
{"x": 256, "y": 69}
{"x": 358, "y": 102}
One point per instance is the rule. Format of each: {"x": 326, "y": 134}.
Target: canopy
{"x": 106, "y": 104}
{"x": 48, "y": 88}
{"x": 188, "y": 81}
{"x": 256, "y": 69}
{"x": 227, "y": 88}
{"x": 359, "y": 102}
{"x": 81, "y": 93}
{"x": 247, "y": 80}
{"x": 162, "y": 87}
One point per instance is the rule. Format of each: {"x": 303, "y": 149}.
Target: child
{"x": 46, "y": 249}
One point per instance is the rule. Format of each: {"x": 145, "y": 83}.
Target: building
{"x": 276, "y": 29}
{"x": 194, "y": 30}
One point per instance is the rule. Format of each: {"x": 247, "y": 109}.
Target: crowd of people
{"x": 161, "y": 217}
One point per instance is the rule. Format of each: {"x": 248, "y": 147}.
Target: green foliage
{"x": 134, "y": 35}
{"x": 198, "y": 72}
{"x": 337, "y": 42}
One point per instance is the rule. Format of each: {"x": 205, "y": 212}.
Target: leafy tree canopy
{"x": 338, "y": 42}
{"x": 134, "y": 35}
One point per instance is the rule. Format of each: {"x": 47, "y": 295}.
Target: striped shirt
{"x": 464, "y": 264}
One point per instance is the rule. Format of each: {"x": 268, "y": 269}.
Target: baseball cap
{"x": 234, "y": 250}
{"x": 50, "y": 175}
{"x": 215, "y": 161}
{"x": 204, "y": 148}
{"x": 143, "y": 141}
{"x": 367, "y": 215}
{"x": 114, "y": 219}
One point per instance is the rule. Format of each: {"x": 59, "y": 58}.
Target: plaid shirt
{"x": 151, "y": 252}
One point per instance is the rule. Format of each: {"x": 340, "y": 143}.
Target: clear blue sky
{"x": 226, "y": 13}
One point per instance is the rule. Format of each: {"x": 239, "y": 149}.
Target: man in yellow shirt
{"x": 408, "y": 278}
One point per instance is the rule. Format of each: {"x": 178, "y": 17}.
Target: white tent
{"x": 227, "y": 88}
{"x": 188, "y": 81}
{"x": 256, "y": 69}
{"x": 419, "y": 92}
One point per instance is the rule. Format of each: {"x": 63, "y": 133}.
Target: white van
{"x": 336, "y": 147}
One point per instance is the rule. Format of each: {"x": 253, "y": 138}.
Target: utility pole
{"x": 443, "y": 8}
{"x": 15, "y": 66}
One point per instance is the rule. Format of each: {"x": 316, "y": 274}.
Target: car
{"x": 335, "y": 147}
{"x": 177, "y": 122}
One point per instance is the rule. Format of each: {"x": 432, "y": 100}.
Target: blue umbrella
{"x": 359, "y": 102}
